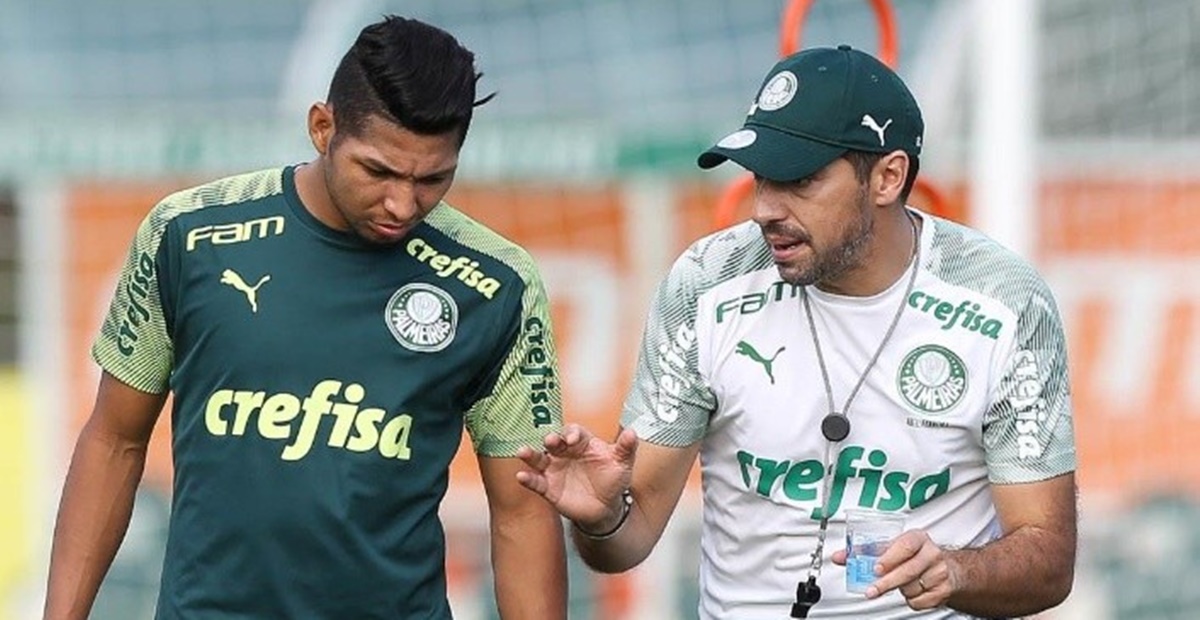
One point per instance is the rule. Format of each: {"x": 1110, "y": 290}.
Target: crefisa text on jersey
{"x": 445, "y": 266}
{"x": 672, "y": 362}
{"x": 137, "y": 290}
{"x": 537, "y": 368}
{"x": 355, "y": 428}
{"x": 949, "y": 311}
{"x": 881, "y": 489}
{"x": 1027, "y": 402}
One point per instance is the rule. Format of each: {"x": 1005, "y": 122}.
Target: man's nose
{"x": 769, "y": 204}
{"x": 400, "y": 199}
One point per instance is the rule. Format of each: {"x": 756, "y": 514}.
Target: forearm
{"x": 1027, "y": 571}
{"x": 94, "y": 513}
{"x": 529, "y": 564}
{"x": 589, "y": 476}
{"x": 655, "y": 492}
{"x": 625, "y": 549}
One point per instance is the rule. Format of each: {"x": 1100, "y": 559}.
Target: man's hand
{"x": 581, "y": 475}
{"x": 922, "y": 572}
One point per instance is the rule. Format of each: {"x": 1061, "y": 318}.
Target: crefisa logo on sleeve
{"x": 137, "y": 295}
{"x": 538, "y": 369}
{"x": 422, "y": 317}
{"x": 673, "y": 369}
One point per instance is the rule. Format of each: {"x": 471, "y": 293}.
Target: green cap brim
{"x": 773, "y": 154}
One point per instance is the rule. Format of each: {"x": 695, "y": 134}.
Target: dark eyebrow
{"x": 375, "y": 163}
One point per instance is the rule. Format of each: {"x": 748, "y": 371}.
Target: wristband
{"x": 626, "y": 508}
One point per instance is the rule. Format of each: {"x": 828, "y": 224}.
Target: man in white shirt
{"x": 840, "y": 351}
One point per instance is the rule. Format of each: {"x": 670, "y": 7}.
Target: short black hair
{"x": 409, "y": 73}
{"x": 864, "y": 162}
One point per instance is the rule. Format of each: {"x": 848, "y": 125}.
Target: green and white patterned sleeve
{"x": 526, "y": 401}
{"x": 670, "y": 403}
{"x": 133, "y": 344}
{"x": 1028, "y": 431}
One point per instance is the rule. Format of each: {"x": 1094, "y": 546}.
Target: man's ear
{"x": 320, "y": 126}
{"x": 888, "y": 176}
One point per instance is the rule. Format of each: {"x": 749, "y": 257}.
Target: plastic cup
{"x": 868, "y": 534}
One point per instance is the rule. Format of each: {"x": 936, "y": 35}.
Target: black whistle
{"x": 807, "y": 595}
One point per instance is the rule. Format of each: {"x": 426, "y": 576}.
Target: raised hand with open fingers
{"x": 581, "y": 475}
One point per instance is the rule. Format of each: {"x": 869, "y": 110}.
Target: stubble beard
{"x": 846, "y": 255}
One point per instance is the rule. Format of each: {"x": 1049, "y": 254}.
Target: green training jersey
{"x": 320, "y": 386}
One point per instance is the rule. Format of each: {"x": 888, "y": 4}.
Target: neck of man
{"x": 884, "y": 261}
{"x": 314, "y": 196}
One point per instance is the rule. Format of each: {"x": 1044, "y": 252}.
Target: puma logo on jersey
{"x": 745, "y": 348}
{"x": 869, "y": 122}
{"x": 232, "y": 278}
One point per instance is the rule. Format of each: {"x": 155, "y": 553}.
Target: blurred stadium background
{"x": 1069, "y": 129}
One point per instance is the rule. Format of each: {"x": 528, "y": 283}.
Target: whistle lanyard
{"x": 835, "y": 426}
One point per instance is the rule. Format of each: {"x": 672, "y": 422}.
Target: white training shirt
{"x": 971, "y": 390}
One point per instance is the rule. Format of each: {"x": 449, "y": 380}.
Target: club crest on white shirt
{"x": 932, "y": 379}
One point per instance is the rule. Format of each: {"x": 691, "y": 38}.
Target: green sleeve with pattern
{"x": 133, "y": 344}
{"x": 526, "y": 401}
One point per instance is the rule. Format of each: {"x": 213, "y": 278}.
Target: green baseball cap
{"x": 813, "y": 107}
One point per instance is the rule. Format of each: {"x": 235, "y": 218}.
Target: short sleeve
{"x": 670, "y": 403}
{"x": 133, "y": 344}
{"x": 525, "y": 402}
{"x": 1028, "y": 430}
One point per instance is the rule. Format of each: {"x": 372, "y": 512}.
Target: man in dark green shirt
{"x": 325, "y": 331}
